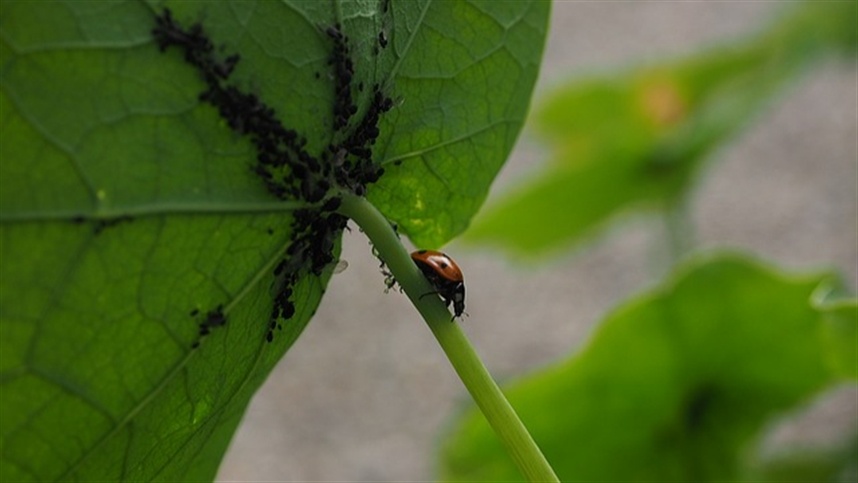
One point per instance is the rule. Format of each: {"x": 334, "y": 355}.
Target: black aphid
{"x": 215, "y": 318}
{"x": 102, "y": 225}
{"x": 332, "y": 204}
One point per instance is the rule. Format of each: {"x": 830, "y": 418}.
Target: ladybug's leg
{"x": 447, "y": 301}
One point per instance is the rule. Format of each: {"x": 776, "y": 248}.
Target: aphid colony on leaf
{"x": 283, "y": 164}
{"x": 214, "y": 318}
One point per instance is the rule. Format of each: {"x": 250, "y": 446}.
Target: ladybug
{"x": 444, "y": 275}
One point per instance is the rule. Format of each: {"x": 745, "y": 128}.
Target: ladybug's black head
{"x": 458, "y": 299}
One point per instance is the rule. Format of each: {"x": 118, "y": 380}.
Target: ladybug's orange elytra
{"x": 444, "y": 275}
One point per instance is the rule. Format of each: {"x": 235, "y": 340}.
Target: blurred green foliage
{"x": 638, "y": 139}
{"x": 675, "y": 383}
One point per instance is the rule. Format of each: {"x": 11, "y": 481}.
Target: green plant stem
{"x": 453, "y": 341}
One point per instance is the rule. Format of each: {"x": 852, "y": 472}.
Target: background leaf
{"x": 639, "y": 138}
{"x": 127, "y": 205}
{"x": 841, "y": 335}
{"x": 673, "y": 384}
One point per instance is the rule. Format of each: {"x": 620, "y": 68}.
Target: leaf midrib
{"x": 154, "y": 210}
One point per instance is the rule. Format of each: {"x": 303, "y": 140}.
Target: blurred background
{"x": 365, "y": 393}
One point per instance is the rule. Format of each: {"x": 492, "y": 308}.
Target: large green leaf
{"x": 675, "y": 383}
{"x": 637, "y": 139}
{"x": 129, "y": 210}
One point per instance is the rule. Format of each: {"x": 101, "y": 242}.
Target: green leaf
{"x": 128, "y": 204}
{"x": 638, "y": 139}
{"x": 840, "y": 332}
{"x": 673, "y": 384}
{"x": 99, "y": 378}
{"x": 464, "y": 81}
